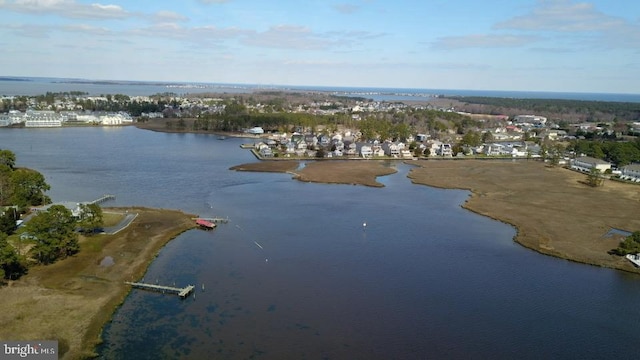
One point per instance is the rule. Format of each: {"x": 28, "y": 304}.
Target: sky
{"x": 513, "y": 45}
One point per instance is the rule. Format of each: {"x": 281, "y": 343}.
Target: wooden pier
{"x": 215, "y": 220}
{"x": 182, "y": 292}
{"x": 104, "y": 198}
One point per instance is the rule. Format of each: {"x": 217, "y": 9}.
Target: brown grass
{"x": 72, "y": 299}
{"x": 554, "y": 211}
{"x": 356, "y": 172}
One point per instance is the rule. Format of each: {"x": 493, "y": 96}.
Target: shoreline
{"x": 72, "y": 300}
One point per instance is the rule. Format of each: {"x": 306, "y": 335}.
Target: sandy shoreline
{"x": 73, "y": 299}
{"x": 554, "y": 212}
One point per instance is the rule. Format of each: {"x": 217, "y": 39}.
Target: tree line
{"x": 620, "y": 153}
{"x": 579, "y": 109}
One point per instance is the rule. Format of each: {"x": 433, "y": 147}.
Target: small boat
{"x": 205, "y": 224}
{"x": 634, "y": 258}
{"x": 222, "y": 137}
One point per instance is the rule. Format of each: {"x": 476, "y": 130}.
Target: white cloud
{"x": 483, "y": 41}
{"x": 563, "y": 16}
{"x": 566, "y": 19}
{"x": 346, "y": 8}
{"x": 169, "y": 16}
{"x": 66, "y": 8}
{"x": 86, "y": 29}
{"x": 288, "y": 37}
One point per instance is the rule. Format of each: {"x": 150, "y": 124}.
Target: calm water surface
{"x": 295, "y": 275}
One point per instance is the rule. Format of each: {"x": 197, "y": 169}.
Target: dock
{"x": 182, "y": 292}
{"x": 215, "y": 220}
{"x": 102, "y": 199}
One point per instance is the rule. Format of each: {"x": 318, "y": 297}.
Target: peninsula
{"x": 71, "y": 300}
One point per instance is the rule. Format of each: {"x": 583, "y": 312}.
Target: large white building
{"x": 586, "y": 163}
{"x": 115, "y": 119}
{"x": 47, "y": 118}
{"x": 530, "y": 119}
{"x": 13, "y": 117}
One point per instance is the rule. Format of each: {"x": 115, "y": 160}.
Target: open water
{"x": 295, "y": 275}
{"x": 38, "y": 86}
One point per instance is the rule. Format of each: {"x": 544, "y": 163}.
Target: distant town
{"x": 322, "y": 125}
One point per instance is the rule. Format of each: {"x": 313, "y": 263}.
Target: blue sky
{"x": 528, "y": 45}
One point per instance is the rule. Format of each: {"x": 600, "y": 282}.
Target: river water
{"x": 296, "y": 275}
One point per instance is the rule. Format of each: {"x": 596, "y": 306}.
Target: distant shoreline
{"x": 97, "y": 87}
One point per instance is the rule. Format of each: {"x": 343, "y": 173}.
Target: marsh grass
{"x": 72, "y": 299}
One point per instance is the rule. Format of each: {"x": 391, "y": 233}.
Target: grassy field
{"x": 555, "y": 212}
{"x": 356, "y": 172}
{"x": 72, "y": 299}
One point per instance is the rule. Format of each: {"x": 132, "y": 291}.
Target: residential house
{"x": 391, "y": 149}
{"x": 266, "y": 151}
{"x": 631, "y": 172}
{"x": 586, "y": 163}
{"x": 445, "y": 150}
{"x": 366, "y": 151}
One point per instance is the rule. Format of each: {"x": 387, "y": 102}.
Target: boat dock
{"x": 104, "y": 198}
{"x": 182, "y": 292}
{"x": 215, "y": 220}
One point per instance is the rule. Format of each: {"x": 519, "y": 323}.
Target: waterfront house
{"x": 366, "y": 151}
{"x": 586, "y": 163}
{"x": 266, "y": 151}
{"x": 631, "y": 172}
{"x": 256, "y": 130}
{"x": 391, "y": 149}
{"x": 445, "y": 150}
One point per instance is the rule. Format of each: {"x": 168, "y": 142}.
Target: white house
{"x": 366, "y": 151}
{"x": 391, "y": 149}
{"x": 266, "y": 152}
{"x": 631, "y": 172}
{"x": 586, "y": 163}
{"x": 445, "y": 150}
{"x": 256, "y": 130}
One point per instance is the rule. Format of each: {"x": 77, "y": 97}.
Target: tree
{"x": 487, "y": 137}
{"x": 28, "y": 188}
{"x": 8, "y": 222}
{"x": 471, "y": 138}
{"x": 630, "y": 245}
{"x": 54, "y": 234}
{"x": 12, "y": 265}
{"x": 595, "y": 178}
{"x": 90, "y": 218}
{"x": 8, "y": 158}
{"x": 6, "y": 188}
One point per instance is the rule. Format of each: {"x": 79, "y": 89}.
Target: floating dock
{"x": 182, "y": 292}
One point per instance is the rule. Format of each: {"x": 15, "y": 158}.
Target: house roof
{"x": 591, "y": 160}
